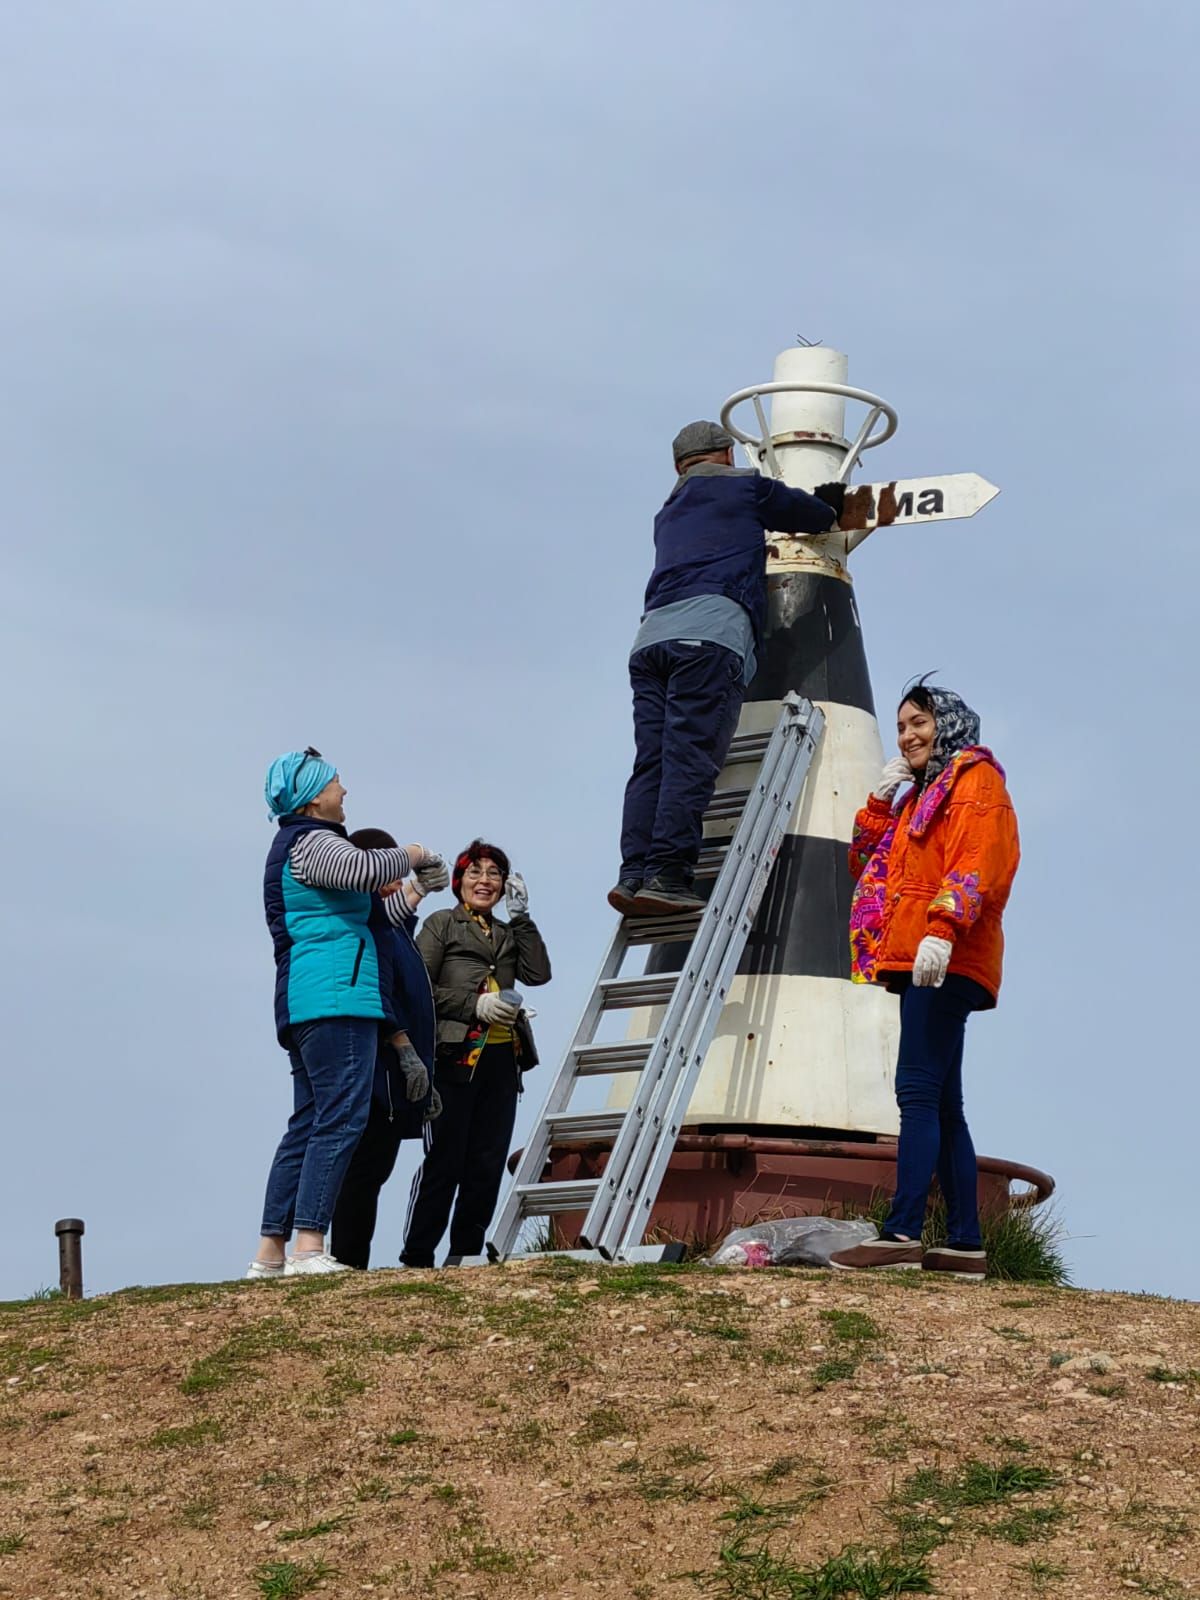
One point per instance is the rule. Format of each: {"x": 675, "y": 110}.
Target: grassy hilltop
{"x": 554, "y": 1429}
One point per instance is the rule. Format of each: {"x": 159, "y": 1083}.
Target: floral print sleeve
{"x": 870, "y": 825}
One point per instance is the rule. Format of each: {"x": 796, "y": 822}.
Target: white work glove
{"x": 433, "y": 875}
{"x": 516, "y": 895}
{"x": 932, "y": 960}
{"x": 414, "y": 1072}
{"x": 490, "y": 1008}
{"x": 896, "y": 773}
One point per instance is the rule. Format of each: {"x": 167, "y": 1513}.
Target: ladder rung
{"x": 711, "y": 859}
{"x": 626, "y": 1055}
{"x": 547, "y": 1199}
{"x": 566, "y": 1125}
{"x": 727, "y": 805}
{"x": 653, "y": 989}
{"x": 663, "y": 930}
{"x": 748, "y": 747}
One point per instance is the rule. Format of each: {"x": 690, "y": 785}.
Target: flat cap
{"x": 698, "y": 438}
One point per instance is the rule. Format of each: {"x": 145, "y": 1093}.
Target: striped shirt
{"x": 322, "y": 859}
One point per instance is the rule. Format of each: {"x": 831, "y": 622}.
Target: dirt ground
{"x": 554, "y": 1429}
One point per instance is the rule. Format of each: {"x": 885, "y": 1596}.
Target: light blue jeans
{"x": 333, "y": 1067}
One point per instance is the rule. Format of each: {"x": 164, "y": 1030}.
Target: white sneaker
{"x": 301, "y": 1266}
{"x": 265, "y": 1269}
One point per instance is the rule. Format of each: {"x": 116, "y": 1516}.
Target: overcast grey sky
{"x": 341, "y": 350}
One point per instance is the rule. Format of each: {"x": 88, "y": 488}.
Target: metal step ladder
{"x": 618, "y": 1203}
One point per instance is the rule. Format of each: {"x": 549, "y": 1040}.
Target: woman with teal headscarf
{"x": 332, "y": 993}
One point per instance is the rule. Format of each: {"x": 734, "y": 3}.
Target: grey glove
{"x": 894, "y": 776}
{"x": 433, "y": 875}
{"x": 492, "y": 1008}
{"x": 516, "y": 895}
{"x": 414, "y": 1072}
{"x": 435, "y": 1106}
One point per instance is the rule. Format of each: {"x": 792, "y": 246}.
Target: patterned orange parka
{"x": 942, "y": 864}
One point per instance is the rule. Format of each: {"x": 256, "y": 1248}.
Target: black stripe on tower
{"x": 803, "y": 925}
{"x": 813, "y": 643}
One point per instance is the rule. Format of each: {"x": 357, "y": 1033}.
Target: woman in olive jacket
{"x": 474, "y": 960}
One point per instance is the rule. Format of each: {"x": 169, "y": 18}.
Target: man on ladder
{"x": 694, "y": 654}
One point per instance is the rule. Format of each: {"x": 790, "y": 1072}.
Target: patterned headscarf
{"x": 957, "y": 729}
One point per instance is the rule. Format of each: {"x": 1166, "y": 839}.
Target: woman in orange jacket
{"x": 934, "y": 870}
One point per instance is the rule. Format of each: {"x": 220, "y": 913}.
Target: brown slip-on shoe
{"x": 968, "y": 1266}
{"x": 894, "y": 1253}
{"x": 621, "y": 896}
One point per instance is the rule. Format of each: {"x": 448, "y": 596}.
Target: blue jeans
{"x": 934, "y": 1136}
{"x": 686, "y": 699}
{"x": 333, "y": 1067}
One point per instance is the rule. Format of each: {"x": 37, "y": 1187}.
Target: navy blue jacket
{"x": 708, "y": 538}
{"x": 409, "y": 1007}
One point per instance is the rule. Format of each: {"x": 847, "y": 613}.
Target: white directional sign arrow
{"x": 905, "y": 500}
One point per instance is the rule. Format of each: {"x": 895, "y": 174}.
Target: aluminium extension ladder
{"x": 619, "y": 1202}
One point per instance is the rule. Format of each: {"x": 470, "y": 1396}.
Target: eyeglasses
{"x": 309, "y": 755}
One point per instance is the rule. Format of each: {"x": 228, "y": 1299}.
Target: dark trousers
{"x": 934, "y": 1136}
{"x": 358, "y": 1204}
{"x": 686, "y": 699}
{"x": 464, "y": 1155}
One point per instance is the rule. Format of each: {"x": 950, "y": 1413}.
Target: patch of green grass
{"x": 853, "y": 1327}
{"x": 1041, "y": 1572}
{"x": 686, "y": 1455}
{"x": 402, "y": 1436}
{"x": 646, "y": 1277}
{"x": 447, "y": 1493}
{"x": 978, "y": 1484}
{"x": 748, "y": 1569}
{"x": 484, "y": 1557}
{"x": 1028, "y": 1524}
{"x": 315, "y": 1283}
{"x": 314, "y": 1530}
{"x": 206, "y": 1430}
{"x": 1014, "y": 1334}
{"x": 833, "y": 1369}
{"x": 198, "y": 1513}
{"x": 603, "y": 1422}
{"x": 429, "y": 1289}
{"x": 288, "y": 1580}
{"x": 341, "y": 1383}
{"x": 10, "y": 1543}
{"x": 931, "y": 1503}
{"x": 1162, "y": 1374}
{"x": 245, "y": 1350}
{"x": 1165, "y": 1524}
{"x": 17, "y": 1358}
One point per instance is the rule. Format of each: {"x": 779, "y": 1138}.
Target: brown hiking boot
{"x": 878, "y": 1253}
{"x": 969, "y": 1266}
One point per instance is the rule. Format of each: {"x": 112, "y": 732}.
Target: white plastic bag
{"x": 791, "y": 1242}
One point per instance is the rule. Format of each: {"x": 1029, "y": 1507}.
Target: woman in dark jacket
{"x": 474, "y": 960}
